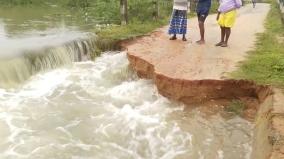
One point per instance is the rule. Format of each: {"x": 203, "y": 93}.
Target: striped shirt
{"x": 228, "y": 5}
{"x": 181, "y": 4}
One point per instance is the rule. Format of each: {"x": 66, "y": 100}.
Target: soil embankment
{"x": 191, "y": 73}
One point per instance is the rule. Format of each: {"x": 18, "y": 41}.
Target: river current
{"x": 100, "y": 109}
{"x": 56, "y": 103}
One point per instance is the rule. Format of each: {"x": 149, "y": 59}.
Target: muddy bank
{"x": 264, "y": 105}
{"x": 204, "y": 90}
{"x": 197, "y": 75}
{"x": 269, "y": 129}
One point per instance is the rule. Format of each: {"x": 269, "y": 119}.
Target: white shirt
{"x": 181, "y": 4}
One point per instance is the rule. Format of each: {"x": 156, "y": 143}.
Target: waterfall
{"x": 20, "y": 59}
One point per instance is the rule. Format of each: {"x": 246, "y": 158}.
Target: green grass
{"x": 236, "y": 107}
{"x": 265, "y": 64}
{"x": 131, "y": 30}
{"x": 111, "y": 36}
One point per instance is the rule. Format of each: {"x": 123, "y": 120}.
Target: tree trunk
{"x": 123, "y": 12}
{"x": 156, "y": 13}
{"x": 192, "y": 5}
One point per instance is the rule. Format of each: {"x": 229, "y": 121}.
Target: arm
{"x": 219, "y": 10}
{"x": 218, "y": 16}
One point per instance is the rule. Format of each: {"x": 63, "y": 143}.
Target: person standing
{"x": 226, "y": 17}
{"x": 253, "y": 3}
{"x": 178, "y": 24}
{"x": 202, "y": 10}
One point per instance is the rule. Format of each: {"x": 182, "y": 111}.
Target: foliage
{"x": 27, "y": 2}
{"x": 105, "y": 11}
{"x": 265, "y": 64}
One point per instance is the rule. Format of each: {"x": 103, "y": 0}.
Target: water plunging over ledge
{"x": 102, "y": 110}
{"x": 22, "y": 57}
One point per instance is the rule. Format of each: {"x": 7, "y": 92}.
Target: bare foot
{"x": 173, "y": 38}
{"x": 184, "y": 39}
{"x": 224, "y": 45}
{"x": 200, "y": 42}
{"x": 219, "y": 44}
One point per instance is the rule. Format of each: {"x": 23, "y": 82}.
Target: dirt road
{"x": 189, "y": 61}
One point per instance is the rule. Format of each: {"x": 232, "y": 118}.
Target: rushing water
{"x": 22, "y": 57}
{"x": 52, "y": 106}
{"x": 102, "y": 110}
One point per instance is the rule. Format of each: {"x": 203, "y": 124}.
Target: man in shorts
{"x": 202, "y": 10}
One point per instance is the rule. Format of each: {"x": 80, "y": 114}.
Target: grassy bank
{"x": 265, "y": 64}
{"x": 111, "y": 36}
{"x": 132, "y": 30}
{"x": 114, "y": 34}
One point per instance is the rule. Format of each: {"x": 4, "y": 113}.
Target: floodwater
{"x": 99, "y": 109}
{"x": 102, "y": 110}
{"x": 22, "y": 21}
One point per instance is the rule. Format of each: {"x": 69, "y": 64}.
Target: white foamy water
{"x": 101, "y": 110}
{"x": 37, "y": 40}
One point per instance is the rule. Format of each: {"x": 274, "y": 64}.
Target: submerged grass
{"x": 236, "y": 107}
{"x": 265, "y": 64}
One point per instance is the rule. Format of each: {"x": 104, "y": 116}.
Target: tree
{"x": 123, "y": 12}
{"x": 156, "y": 9}
{"x": 193, "y": 4}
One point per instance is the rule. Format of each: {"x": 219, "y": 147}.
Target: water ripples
{"x": 102, "y": 110}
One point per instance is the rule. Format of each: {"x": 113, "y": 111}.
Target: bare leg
{"x": 223, "y": 33}
{"x": 184, "y": 38}
{"x": 174, "y": 37}
{"x": 202, "y": 31}
{"x": 227, "y": 33}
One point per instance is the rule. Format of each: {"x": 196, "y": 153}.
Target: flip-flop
{"x": 173, "y": 38}
{"x": 184, "y": 39}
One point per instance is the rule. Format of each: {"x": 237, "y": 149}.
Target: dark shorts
{"x": 202, "y": 17}
{"x": 202, "y": 9}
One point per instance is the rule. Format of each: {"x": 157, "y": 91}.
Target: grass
{"x": 265, "y": 64}
{"x": 111, "y": 35}
{"x": 131, "y": 30}
{"x": 236, "y": 107}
